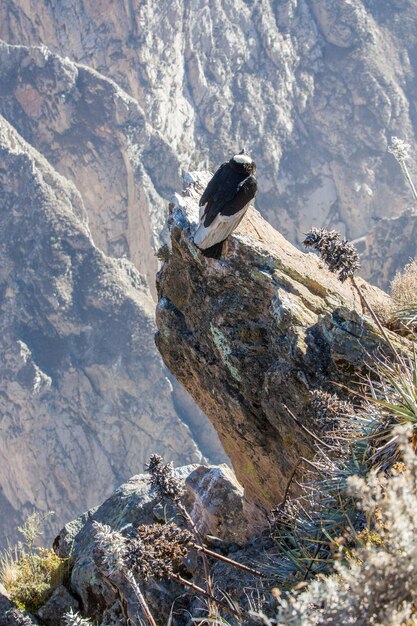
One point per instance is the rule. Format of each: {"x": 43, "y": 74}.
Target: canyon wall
{"x": 314, "y": 88}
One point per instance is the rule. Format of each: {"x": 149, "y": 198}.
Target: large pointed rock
{"x": 254, "y": 333}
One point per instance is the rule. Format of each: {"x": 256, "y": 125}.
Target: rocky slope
{"x": 253, "y": 334}
{"x": 315, "y": 88}
{"x": 95, "y": 135}
{"x": 84, "y": 396}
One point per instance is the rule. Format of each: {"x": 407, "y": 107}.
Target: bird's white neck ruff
{"x": 242, "y": 158}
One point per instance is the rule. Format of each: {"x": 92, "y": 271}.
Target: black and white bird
{"x": 224, "y": 203}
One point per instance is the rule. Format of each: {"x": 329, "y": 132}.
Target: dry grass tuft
{"x": 28, "y": 573}
{"x": 404, "y": 285}
{"x": 31, "y": 578}
{"x": 404, "y": 295}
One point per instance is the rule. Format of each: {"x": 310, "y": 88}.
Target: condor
{"x": 224, "y": 203}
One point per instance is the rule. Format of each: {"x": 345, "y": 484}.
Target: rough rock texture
{"x": 315, "y": 88}
{"x": 11, "y": 615}
{"x": 95, "y": 135}
{"x": 84, "y": 398}
{"x": 215, "y": 501}
{"x": 53, "y": 611}
{"x": 391, "y": 244}
{"x": 253, "y": 333}
{"x": 67, "y": 322}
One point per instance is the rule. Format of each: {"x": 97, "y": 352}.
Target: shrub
{"x": 37, "y": 575}
{"x": 28, "y": 573}
{"x": 378, "y": 585}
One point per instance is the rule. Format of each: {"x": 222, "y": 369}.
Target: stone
{"x": 215, "y": 502}
{"x": 52, "y": 612}
{"x": 11, "y": 615}
{"x": 251, "y": 335}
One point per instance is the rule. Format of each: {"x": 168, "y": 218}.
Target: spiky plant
{"x": 72, "y": 618}
{"x": 158, "y": 550}
{"x": 404, "y": 295}
{"x": 378, "y": 585}
{"x": 167, "y": 485}
{"x": 163, "y": 479}
{"x": 111, "y": 556}
{"x": 322, "y": 526}
{"x": 341, "y": 258}
{"x": 392, "y": 390}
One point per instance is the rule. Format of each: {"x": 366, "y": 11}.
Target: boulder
{"x": 11, "y": 615}
{"x": 215, "y": 501}
{"x": 53, "y": 611}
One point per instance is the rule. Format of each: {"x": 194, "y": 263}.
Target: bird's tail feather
{"x": 214, "y": 252}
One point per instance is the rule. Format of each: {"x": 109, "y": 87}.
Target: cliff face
{"x": 78, "y": 358}
{"x": 314, "y": 88}
{"x": 95, "y": 135}
{"x": 390, "y": 244}
{"x": 84, "y": 396}
{"x": 253, "y": 334}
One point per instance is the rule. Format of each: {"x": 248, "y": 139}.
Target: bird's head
{"x": 243, "y": 162}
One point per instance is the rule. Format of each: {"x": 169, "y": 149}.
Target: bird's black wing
{"x": 246, "y": 192}
{"x": 215, "y": 183}
{"x": 226, "y": 184}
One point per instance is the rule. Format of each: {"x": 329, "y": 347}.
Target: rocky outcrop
{"x": 215, "y": 502}
{"x": 84, "y": 397}
{"x": 253, "y": 334}
{"x": 391, "y": 244}
{"x": 315, "y": 88}
{"x": 52, "y": 613}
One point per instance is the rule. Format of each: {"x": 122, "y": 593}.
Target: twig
{"x": 315, "y": 467}
{"x": 205, "y": 593}
{"x": 320, "y": 441}
{"x": 287, "y": 488}
{"x": 200, "y": 542}
{"x": 141, "y": 598}
{"x": 375, "y": 318}
{"x": 225, "y": 559}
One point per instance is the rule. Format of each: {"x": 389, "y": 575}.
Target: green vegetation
{"x": 28, "y": 573}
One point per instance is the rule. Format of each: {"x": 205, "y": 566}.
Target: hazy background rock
{"x": 84, "y": 396}
{"x": 314, "y": 88}
{"x": 389, "y": 245}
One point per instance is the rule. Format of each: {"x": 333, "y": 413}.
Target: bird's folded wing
{"x": 245, "y": 194}
{"x": 214, "y": 183}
